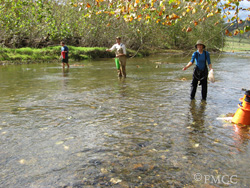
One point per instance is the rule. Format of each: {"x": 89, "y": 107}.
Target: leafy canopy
{"x": 165, "y": 12}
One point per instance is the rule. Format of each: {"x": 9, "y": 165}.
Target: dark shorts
{"x": 66, "y": 60}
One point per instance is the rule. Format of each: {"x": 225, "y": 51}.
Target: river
{"x": 85, "y": 127}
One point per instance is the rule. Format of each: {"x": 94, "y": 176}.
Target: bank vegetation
{"x": 44, "y": 23}
{"x": 34, "y": 29}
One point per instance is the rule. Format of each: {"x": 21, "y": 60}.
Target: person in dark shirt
{"x": 64, "y": 55}
{"x": 200, "y": 70}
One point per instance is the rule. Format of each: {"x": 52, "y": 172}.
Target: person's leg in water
{"x": 119, "y": 72}
{"x": 123, "y": 71}
{"x": 193, "y": 87}
{"x": 67, "y": 65}
{"x": 63, "y": 65}
{"x": 204, "y": 88}
{"x": 123, "y": 65}
{"x": 66, "y": 60}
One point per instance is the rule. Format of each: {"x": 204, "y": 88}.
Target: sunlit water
{"x": 84, "y": 127}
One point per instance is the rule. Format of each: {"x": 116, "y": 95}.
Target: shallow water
{"x": 84, "y": 127}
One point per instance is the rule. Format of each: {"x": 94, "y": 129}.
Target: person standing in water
{"x": 200, "y": 70}
{"x": 64, "y": 54}
{"x": 121, "y": 54}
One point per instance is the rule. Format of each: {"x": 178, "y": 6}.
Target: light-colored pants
{"x": 122, "y": 71}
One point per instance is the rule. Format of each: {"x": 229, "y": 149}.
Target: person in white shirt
{"x": 120, "y": 51}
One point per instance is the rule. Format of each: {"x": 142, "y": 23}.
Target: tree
{"x": 163, "y": 11}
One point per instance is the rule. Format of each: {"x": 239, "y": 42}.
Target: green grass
{"x": 23, "y": 54}
{"x": 235, "y": 44}
{"x": 53, "y": 53}
{"x": 87, "y": 49}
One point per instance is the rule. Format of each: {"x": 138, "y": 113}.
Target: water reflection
{"x": 241, "y": 137}
{"x": 196, "y": 127}
{"x": 197, "y": 112}
{"x": 65, "y": 80}
{"x": 121, "y": 87}
{"x": 65, "y": 72}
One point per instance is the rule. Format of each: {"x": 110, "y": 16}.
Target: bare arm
{"x": 210, "y": 66}
{"x": 111, "y": 49}
{"x": 187, "y": 66}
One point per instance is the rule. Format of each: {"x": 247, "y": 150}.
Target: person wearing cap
{"x": 200, "y": 70}
{"x": 120, "y": 51}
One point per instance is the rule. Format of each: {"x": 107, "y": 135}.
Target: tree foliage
{"x": 142, "y": 23}
{"x": 163, "y": 11}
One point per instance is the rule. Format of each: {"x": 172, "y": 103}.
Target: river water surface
{"x": 84, "y": 127}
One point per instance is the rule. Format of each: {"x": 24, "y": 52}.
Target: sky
{"x": 244, "y": 4}
{"x": 242, "y": 14}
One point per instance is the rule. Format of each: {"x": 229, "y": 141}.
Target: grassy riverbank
{"x": 235, "y": 44}
{"x": 22, "y": 55}
{"x": 49, "y": 54}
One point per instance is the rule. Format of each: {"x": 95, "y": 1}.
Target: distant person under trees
{"x": 121, "y": 54}
{"x": 64, "y": 54}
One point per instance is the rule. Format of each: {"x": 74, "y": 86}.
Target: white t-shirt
{"x": 117, "y": 47}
